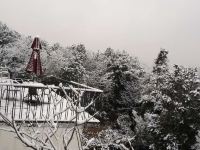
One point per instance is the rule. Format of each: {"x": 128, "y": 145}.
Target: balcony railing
{"x": 37, "y": 102}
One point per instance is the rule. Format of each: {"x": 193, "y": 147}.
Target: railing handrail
{"x": 49, "y": 86}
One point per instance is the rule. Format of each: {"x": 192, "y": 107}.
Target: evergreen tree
{"x": 161, "y": 70}
{"x": 153, "y": 96}
{"x": 155, "y": 84}
{"x": 180, "y": 118}
{"x": 173, "y": 116}
{"x": 161, "y": 65}
{"x": 124, "y": 74}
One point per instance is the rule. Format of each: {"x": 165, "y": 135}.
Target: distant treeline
{"x": 159, "y": 110}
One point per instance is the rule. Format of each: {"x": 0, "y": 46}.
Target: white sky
{"x": 141, "y": 27}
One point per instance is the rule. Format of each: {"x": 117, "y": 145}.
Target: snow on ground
{"x": 15, "y": 98}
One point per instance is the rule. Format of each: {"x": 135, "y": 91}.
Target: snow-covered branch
{"x": 43, "y": 133}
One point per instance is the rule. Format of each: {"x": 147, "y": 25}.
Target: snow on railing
{"x": 34, "y": 105}
{"x": 34, "y": 101}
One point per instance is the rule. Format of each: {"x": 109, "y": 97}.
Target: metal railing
{"x": 30, "y": 102}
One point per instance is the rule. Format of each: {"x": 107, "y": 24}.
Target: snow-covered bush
{"x": 173, "y": 116}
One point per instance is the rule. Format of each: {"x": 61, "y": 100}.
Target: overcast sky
{"x": 140, "y": 27}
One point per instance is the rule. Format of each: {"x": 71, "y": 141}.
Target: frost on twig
{"x": 40, "y": 129}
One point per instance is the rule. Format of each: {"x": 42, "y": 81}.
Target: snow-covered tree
{"x": 56, "y": 60}
{"x": 153, "y": 94}
{"x": 119, "y": 77}
{"x": 124, "y": 74}
{"x": 75, "y": 69}
{"x": 179, "y": 120}
{"x": 155, "y": 83}
{"x": 161, "y": 61}
{"x": 174, "y": 118}
{"x": 7, "y": 36}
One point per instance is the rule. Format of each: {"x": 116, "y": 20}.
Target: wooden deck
{"x": 16, "y": 102}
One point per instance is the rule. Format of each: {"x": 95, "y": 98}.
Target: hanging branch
{"x": 39, "y": 136}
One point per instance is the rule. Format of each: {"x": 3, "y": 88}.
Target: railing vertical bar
{"x": 1, "y": 98}
{"x": 21, "y": 102}
{"x": 42, "y": 102}
{"x": 7, "y": 97}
